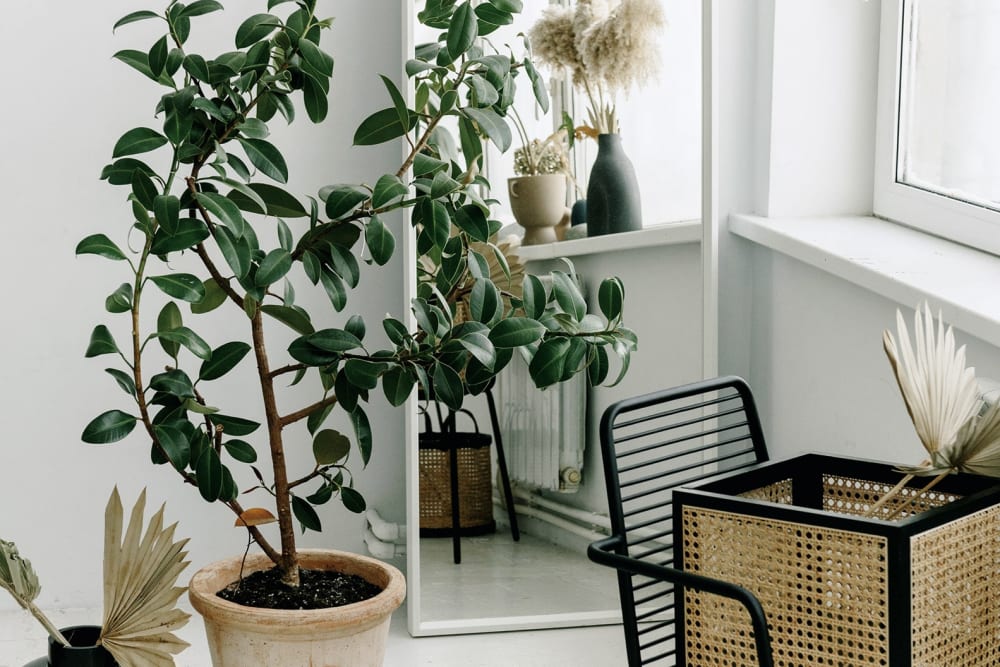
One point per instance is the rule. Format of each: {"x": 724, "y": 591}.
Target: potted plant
{"x": 197, "y": 238}
{"x": 140, "y": 598}
{"x": 538, "y": 191}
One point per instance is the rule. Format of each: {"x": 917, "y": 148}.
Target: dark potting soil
{"x": 318, "y": 589}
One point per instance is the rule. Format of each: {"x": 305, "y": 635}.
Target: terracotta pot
{"x": 350, "y": 636}
{"x": 539, "y": 205}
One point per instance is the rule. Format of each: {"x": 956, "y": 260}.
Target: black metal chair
{"x": 652, "y": 444}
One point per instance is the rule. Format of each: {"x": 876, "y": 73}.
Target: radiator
{"x": 544, "y": 431}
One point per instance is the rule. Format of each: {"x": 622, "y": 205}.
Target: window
{"x": 938, "y": 155}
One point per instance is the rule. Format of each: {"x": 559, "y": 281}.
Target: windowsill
{"x": 893, "y": 261}
{"x": 674, "y": 233}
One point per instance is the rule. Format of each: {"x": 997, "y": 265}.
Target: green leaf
{"x": 314, "y": 95}
{"x": 597, "y": 369}
{"x": 546, "y": 367}
{"x": 192, "y": 405}
{"x": 395, "y": 330}
{"x": 101, "y": 342}
{"x": 296, "y": 320}
{"x": 225, "y": 210}
{"x": 462, "y": 30}
{"x": 330, "y": 446}
{"x": 169, "y": 319}
{"x": 119, "y": 301}
{"x": 318, "y": 59}
{"x": 240, "y": 450}
{"x": 157, "y": 56}
{"x": 379, "y": 240}
{"x": 167, "y": 210}
{"x": 472, "y": 220}
{"x": 196, "y": 66}
{"x": 275, "y": 265}
{"x": 208, "y": 469}
{"x": 175, "y": 445}
{"x": 138, "y": 140}
{"x": 436, "y": 220}
{"x": 256, "y": 28}
{"x": 485, "y": 302}
{"x": 426, "y": 165}
{"x": 236, "y": 426}
{"x": 280, "y": 203}
{"x": 334, "y": 340}
{"x": 189, "y": 232}
{"x": 200, "y": 7}
{"x": 189, "y": 339}
{"x": 492, "y": 125}
{"x": 382, "y": 126}
{"x": 398, "y": 103}
{"x": 363, "y": 433}
{"x": 266, "y": 157}
{"x": 388, "y": 189}
{"x": 123, "y": 379}
{"x": 108, "y": 427}
{"x": 397, "y": 385}
{"x": 182, "y": 286}
{"x": 133, "y": 17}
{"x": 306, "y": 515}
{"x": 516, "y": 332}
{"x": 144, "y": 191}
{"x": 214, "y": 297}
{"x": 538, "y": 86}
{"x": 333, "y": 285}
{"x": 342, "y": 199}
{"x": 480, "y": 347}
{"x": 483, "y": 92}
{"x": 448, "y": 386}
{"x": 363, "y": 374}
{"x": 493, "y": 16}
{"x": 174, "y": 382}
{"x": 236, "y": 251}
{"x": 568, "y": 296}
{"x": 224, "y": 358}
{"x": 352, "y": 500}
{"x": 120, "y": 171}
{"x": 511, "y": 6}
{"x": 99, "y": 244}
{"x": 611, "y": 298}
{"x": 534, "y": 297}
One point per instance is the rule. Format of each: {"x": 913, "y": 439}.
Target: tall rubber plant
{"x": 221, "y": 186}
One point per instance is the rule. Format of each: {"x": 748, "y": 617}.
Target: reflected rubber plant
{"x": 222, "y": 186}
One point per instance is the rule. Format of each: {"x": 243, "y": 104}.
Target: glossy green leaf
{"x": 167, "y": 210}
{"x": 224, "y": 359}
{"x": 192, "y": 405}
{"x": 306, "y": 515}
{"x": 303, "y": 352}
{"x": 427, "y": 165}
{"x": 133, "y": 17}
{"x": 398, "y": 103}
{"x": 254, "y": 128}
{"x": 175, "y": 445}
{"x": 119, "y": 301}
{"x": 397, "y": 384}
{"x": 214, "y": 297}
{"x": 138, "y": 140}
{"x": 208, "y": 469}
{"x": 485, "y": 302}
{"x": 546, "y": 367}
{"x": 101, "y": 342}
{"x": 516, "y": 332}
{"x": 108, "y": 427}
{"x": 99, "y": 244}
{"x": 342, "y": 199}
{"x": 395, "y": 330}
{"x": 597, "y": 369}
{"x": 120, "y": 171}
{"x": 183, "y": 286}
{"x": 537, "y": 86}
{"x": 480, "y": 347}
{"x": 315, "y": 98}
{"x": 236, "y": 251}
{"x": 363, "y": 433}
{"x": 568, "y": 295}
{"x": 483, "y": 92}
{"x": 157, "y": 56}
{"x": 189, "y": 339}
{"x": 333, "y": 285}
{"x": 256, "y": 28}
{"x": 174, "y": 382}
{"x": 189, "y": 232}
{"x": 196, "y": 66}
{"x": 334, "y": 340}
{"x": 356, "y": 326}
{"x": 611, "y": 298}
{"x": 240, "y": 450}
{"x": 533, "y": 296}
{"x": 352, "y": 500}
{"x": 363, "y": 374}
{"x": 492, "y": 125}
{"x": 144, "y": 191}
{"x": 199, "y": 7}
{"x": 347, "y": 393}
{"x": 123, "y": 379}
{"x": 267, "y": 158}
{"x": 275, "y": 265}
{"x": 388, "y": 189}
{"x": 448, "y": 386}
{"x": 462, "y": 30}
{"x": 318, "y": 59}
{"x": 379, "y": 240}
{"x": 168, "y": 319}
{"x": 235, "y": 426}
{"x": 279, "y": 202}
{"x": 330, "y": 446}
{"x": 345, "y": 264}
{"x": 224, "y": 210}
{"x": 382, "y": 126}
{"x": 295, "y": 319}
{"x": 493, "y": 16}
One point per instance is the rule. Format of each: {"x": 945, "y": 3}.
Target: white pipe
{"x": 591, "y": 518}
{"x": 385, "y": 531}
{"x": 554, "y": 520}
{"x": 380, "y": 549}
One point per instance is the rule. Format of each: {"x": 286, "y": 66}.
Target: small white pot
{"x": 350, "y": 636}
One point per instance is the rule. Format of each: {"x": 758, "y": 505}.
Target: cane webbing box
{"x": 841, "y": 589}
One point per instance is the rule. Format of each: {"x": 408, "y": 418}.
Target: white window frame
{"x": 942, "y": 216}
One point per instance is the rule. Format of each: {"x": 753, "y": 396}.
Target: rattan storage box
{"x": 840, "y": 589}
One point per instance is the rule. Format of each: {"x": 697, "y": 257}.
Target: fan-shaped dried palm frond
{"x": 18, "y": 578}
{"x": 140, "y": 598}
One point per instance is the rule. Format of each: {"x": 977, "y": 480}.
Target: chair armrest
{"x": 607, "y": 552}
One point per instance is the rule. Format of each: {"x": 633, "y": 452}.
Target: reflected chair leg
{"x": 502, "y": 464}
{"x": 456, "y": 544}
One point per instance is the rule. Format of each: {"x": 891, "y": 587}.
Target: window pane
{"x": 949, "y": 111}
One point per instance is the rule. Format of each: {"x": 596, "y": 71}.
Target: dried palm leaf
{"x": 18, "y": 578}
{"x": 140, "y": 597}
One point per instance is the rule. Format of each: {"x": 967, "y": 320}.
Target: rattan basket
{"x": 475, "y": 483}
{"x": 840, "y": 589}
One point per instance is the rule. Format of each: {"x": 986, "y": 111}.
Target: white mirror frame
{"x": 419, "y": 627}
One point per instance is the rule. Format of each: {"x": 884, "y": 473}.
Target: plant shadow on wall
{"x": 207, "y": 187}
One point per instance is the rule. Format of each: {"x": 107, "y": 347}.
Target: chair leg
{"x": 456, "y": 539}
{"x": 502, "y": 464}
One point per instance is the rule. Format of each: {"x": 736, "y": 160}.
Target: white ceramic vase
{"x": 350, "y": 636}
{"x": 539, "y": 205}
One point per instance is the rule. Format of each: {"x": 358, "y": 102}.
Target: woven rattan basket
{"x": 475, "y": 483}
{"x": 840, "y": 589}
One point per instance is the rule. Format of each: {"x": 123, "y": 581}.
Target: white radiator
{"x": 544, "y": 431}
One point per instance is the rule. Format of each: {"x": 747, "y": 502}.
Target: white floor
{"x": 23, "y": 640}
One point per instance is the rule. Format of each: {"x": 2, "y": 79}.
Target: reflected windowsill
{"x": 673, "y": 233}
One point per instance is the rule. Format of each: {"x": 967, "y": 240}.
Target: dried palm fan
{"x": 140, "y": 598}
{"x": 960, "y": 432}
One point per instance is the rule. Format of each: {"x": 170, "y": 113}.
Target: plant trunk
{"x": 289, "y": 561}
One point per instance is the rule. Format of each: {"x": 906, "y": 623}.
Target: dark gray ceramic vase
{"x": 82, "y": 653}
{"x": 613, "y": 203}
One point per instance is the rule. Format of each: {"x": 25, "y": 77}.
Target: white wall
{"x": 66, "y": 104}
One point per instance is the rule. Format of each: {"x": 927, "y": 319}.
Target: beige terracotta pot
{"x": 539, "y": 205}
{"x": 350, "y": 636}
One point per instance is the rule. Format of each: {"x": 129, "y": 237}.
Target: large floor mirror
{"x": 543, "y": 579}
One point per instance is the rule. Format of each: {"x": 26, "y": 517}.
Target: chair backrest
{"x": 652, "y": 444}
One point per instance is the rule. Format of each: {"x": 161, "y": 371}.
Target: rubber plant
{"x": 222, "y": 186}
